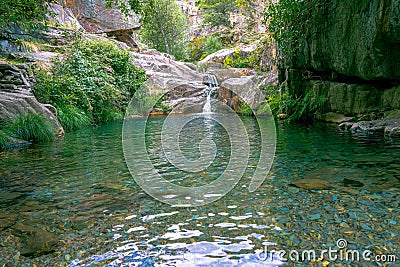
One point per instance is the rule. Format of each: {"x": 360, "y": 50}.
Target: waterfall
{"x": 207, "y": 105}
{"x": 212, "y": 83}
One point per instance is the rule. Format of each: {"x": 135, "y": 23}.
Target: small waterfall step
{"x": 210, "y": 80}
{"x": 212, "y": 83}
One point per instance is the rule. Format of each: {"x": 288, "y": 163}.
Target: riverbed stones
{"x": 7, "y": 219}
{"x": 312, "y": 184}
{"x": 34, "y": 241}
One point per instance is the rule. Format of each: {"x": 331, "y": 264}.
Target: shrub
{"x": 4, "y": 139}
{"x": 228, "y": 62}
{"x": 245, "y": 109}
{"x": 28, "y": 13}
{"x": 94, "y": 77}
{"x": 212, "y": 44}
{"x": 236, "y": 61}
{"x": 297, "y": 108}
{"x": 72, "y": 118}
{"x": 31, "y": 127}
{"x": 201, "y": 47}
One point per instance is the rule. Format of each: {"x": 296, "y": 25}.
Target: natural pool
{"x": 80, "y": 190}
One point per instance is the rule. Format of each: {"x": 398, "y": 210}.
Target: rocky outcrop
{"x": 355, "y": 99}
{"x": 186, "y": 87}
{"x": 243, "y": 51}
{"x": 357, "y": 39}
{"x": 96, "y": 18}
{"x": 183, "y": 85}
{"x": 16, "y": 97}
{"x": 64, "y": 17}
{"x": 20, "y": 43}
{"x": 233, "y": 91}
{"x": 350, "y": 60}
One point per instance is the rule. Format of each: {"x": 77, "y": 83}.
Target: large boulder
{"x": 96, "y": 18}
{"x": 154, "y": 62}
{"x": 218, "y": 57}
{"x": 233, "y": 91}
{"x": 183, "y": 85}
{"x": 63, "y": 16}
{"x": 16, "y": 97}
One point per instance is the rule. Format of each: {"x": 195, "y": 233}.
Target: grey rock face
{"x": 96, "y": 18}
{"x": 357, "y": 38}
{"x": 351, "y": 58}
{"x": 16, "y": 97}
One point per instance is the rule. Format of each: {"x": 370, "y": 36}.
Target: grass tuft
{"x": 4, "y": 139}
{"x": 72, "y": 118}
{"x": 31, "y": 127}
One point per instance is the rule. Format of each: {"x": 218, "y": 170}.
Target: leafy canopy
{"x": 289, "y": 21}
{"x": 28, "y": 13}
{"x": 217, "y": 12}
{"x": 165, "y": 28}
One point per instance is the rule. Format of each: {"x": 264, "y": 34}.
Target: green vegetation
{"x": 236, "y": 61}
{"x": 72, "y": 118}
{"x": 294, "y": 107}
{"x": 288, "y": 21}
{"x": 30, "y": 127}
{"x": 216, "y": 12}
{"x": 201, "y": 47}
{"x": 93, "y": 81}
{"x": 28, "y": 13}
{"x": 128, "y": 6}
{"x": 4, "y": 139}
{"x": 165, "y": 28}
{"x": 245, "y": 109}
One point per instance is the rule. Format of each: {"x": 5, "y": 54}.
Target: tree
{"x": 165, "y": 27}
{"x": 289, "y": 21}
{"x": 127, "y": 6}
{"x": 217, "y": 12}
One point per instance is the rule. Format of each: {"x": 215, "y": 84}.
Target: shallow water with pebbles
{"x": 79, "y": 192}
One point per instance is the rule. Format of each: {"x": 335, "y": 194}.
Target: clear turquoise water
{"x": 80, "y": 189}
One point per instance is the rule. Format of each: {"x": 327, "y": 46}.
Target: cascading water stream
{"x": 212, "y": 82}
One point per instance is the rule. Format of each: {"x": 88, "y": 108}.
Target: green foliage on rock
{"x": 244, "y": 109}
{"x": 93, "y": 76}
{"x": 201, "y": 47}
{"x": 289, "y": 21}
{"x": 236, "y": 61}
{"x": 294, "y": 108}
{"x": 4, "y": 139}
{"x": 165, "y": 28}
